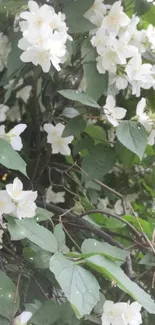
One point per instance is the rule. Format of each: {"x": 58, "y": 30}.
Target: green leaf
{"x": 47, "y": 314}
{"x": 74, "y": 12}
{"x": 10, "y": 158}
{"x": 124, "y": 155}
{"x": 37, "y": 234}
{"x": 96, "y": 133}
{"x": 140, "y": 7}
{"x": 100, "y": 157}
{"x": 11, "y": 6}
{"x": 88, "y": 53}
{"x": 83, "y": 144}
{"x": 14, "y": 63}
{"x": 43, "y": 214}
{"x": 148, "y": 259}
{"x": 136, "y": 221}
{"x": 149, "y": 15}
{"x": 133, "y": 136}
{"x": 74, "y": 126}
{"x": 112, "y": 271}
{"x": 4, "y": 321}
{"x": 37, "y": 256}
{"x": 67, "y": 315}
{"x": 94, "y": 246}
{"x": 79, "y": 285}
{"x": 61, "y": 238}
{"x": 15, "y": 229}
{"x": 96, "y": 83}
{"x": 76, "y": 96}
{"x": 9, "y": 298}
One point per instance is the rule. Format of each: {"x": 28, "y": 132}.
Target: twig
{"x": 68, "y": 234}
{"x": 129, "y": 270}
{"x": 79, "y": 221}
{"x": 15, "y": 297}
{"x": 115, "y": 217}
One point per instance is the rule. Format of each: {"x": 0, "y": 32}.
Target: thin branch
{"x": 110, "y": 214}
{"x": 79, "y": 221}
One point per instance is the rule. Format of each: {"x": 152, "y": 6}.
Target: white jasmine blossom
{"x": 23, "y": 318}
{"x": 44, "y": 36}
{"x": 13, "y": 136}
{"x": 15, "y": 190}
{"x": 139, "y": 75}
{"x": 121, "y": 313}
{"x": 3, "y": 111}
{"x": 26, "y": 209}
{"x": 118, "y": 39}
{"x": 96, "y": 13}
{"x": 151, "y": 138}
{"x": 112, "y": 112}
{"x": 24, "y": 205}
{"x": 6, "y": 204}
{"x": 24, "y": 93}
{"x": 102, "y": 203}
{"x": 54, "y": 137}
{"x": 143, "y": 118}
{"x": 14, "y": 113}
{"x": 116, "y": 18}
{"x": 54, "y": 197}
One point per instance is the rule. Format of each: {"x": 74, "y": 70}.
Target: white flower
{"x": 54, "y": 197}
{"x": 120, "y": 81}
{"x": 36, "y": 16}
{"x": 118, "y": 207}
{"x": 58, "y": 143}
{"x": 6, "y": 204}
{"x": 151, "y": 138}
{"x": 108, "y": 61}
{"x": 26, "y": 208}
{"x": 4, "y": 51}
{"x": 3, "y": 110}
{"x": 24, "y": 200}
{"x": 15, "y": 190}
{"x": 143, "y": 118}
{"x": 24, "y": 93}
{"x": 115, "y": 19}
{"x": 44, "y": 36}
{"x": 139, "y": 75}
{"x": 96, "y": 13}
{"x": 102, "y": 203}
{"x": 112, "y": 112}
{"x": 151, "y": 35}
{"x": 123, "y": 49}
{"x": 14, "y": 113}
{"x": 121, "y": 313}
{"x": 23, "y": 318}
{"x": 13, "y": 136}
{"x": 101, "y": 40}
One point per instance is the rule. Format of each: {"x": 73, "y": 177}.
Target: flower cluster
{"x": 120, "y": 46}
{"x": 58, "y": 143}
{"x": 114, "y": 114}
{"x": 17, "y": 202}
{"x": 44, "y": 36}
{"x": 5, "y": 49}
{"x": 121, "y": 313}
